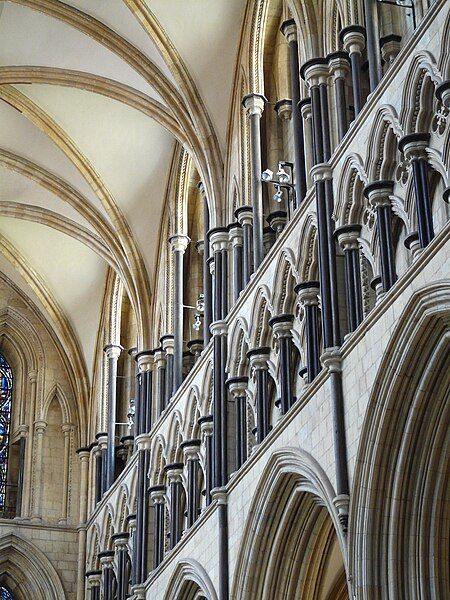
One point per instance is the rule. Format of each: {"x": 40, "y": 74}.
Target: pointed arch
{"x": 188, "y": 580}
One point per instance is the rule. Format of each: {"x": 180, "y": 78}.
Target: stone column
{"x": 178, "y": 243}
{"x": 244, "y": 215}
{"x": 157, "y": 495}
{"x": 159, "y": 361}
{"x": 238, "y": 389}
{"x": 306, "y": 112}
{"x": 23, "y": 435}
{"x": 120, "y": 541}
{"x": 347, "y": 237}
{"x": 218, "y": 238}
{"x": 93, "y": 579}
{"x": 167, "y": 346}
{"x": 414, "y": 147}
{"x": 191, "y": 449}
{"x": 353, "y": 39}
{"x": 322, "y": 175}
{"x": 236, "y": 238}
{"x": 219, "y": 329}
{"x": 67, "y": 429}
{"x": 338, "y": 64}
{"x": 207, "y": 281}
{"x": 98, "y": 470}
{"x": 39, "y": 431}
{"x": 220, "y": 496}
{"x": 28, "y": 474}
{"x": 112, "y": 352}
{"x": 289, "y": 30}
{"x": 144, "y": 405}
{"x": 174, "y": 475}
{"x": 84, "y": 456}
{"x": 373, "y": 42}
{"x": 308, "y": 294}
{"x": 277, "y": 221}
{"x": 254, "y": 105}
{"x": 108, "y": 579}
{"x": 315, "y": 74}
{"x": 282, "y": 330}
{"x": 412, "y": 243}
{"x": 259, "y": 365}
{"x": 140, "y": 535}
{"x": 195, "y": 348}
{"x": 102, "y": 441}
{"x": 442, "y": 93}
{"x": 283, "y": 108}
{"x": 206, "y": 426}
{"x": 332, "y": 361}
{"x": 378, "y": 194}
{"x": 390, "y": 47}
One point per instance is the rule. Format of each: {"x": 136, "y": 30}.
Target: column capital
{"x": 157, "y": 493}
{"x": 414, "y": 145}
{"x": 390, "y": 47}
{"x": 23, "y": 431}
{"x": 321, "y": 172}
{"x": 235, "y": 234}
{"x": 308, "y": 292}
{"x": 174, "y": 472}
{"x": 167, "y": 343}
{"x": 191, "y": 449}
{"x": 347, "y": 236}
{"x": 200, "y": 246}
{"x": 277, "y": 220}
{"x": 220, "y": 494}
{"x": 332, "y": 359}
{"x": 283, "y": 108}
{"x": 120, "y": 540}
{"x": 237, "y": 386}
{"x": 113, "y": 350}
{"x": 259, "y": 357}
{"x": 195, "y": 347}
{"x": 159, "y": 357}
{"x": 378, "y": 192}
{"x": 102, "y": 440}
{"x": 412, "y": 243}
{"x": 106, "y": 559}
{"x": 338, "y": 64}
{"x": 282, "y": 325}
{"x": 218, "y": 238}
{"x": 305, "y": 108}
{"x": 314, "y": 71}
{"x": 179, "y": 242}
{"x": 289, "y": 30}
{"x": 131, "y": 520}
{"x": 143, "y": 441}
{"x": 67, "y": 427}
{"x": 32, "y": 376}
{"x": 94, "y": 578}
{"x": 219, "y": 328}
{"x": 206, "y": 425}
{"x": 40, "y": 426}
{"x": 84, "y": 453}
{"x": 254, "y": 104}
{"x": 144, "y": 360}
{"x": 244, "y": 215}
{"x": 442, "y": 93}
{"x": 353, "y": 39}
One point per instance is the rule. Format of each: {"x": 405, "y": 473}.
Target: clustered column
{"x": 254, "y": 105}
{"x": 191, "y": 449}
{"x": 315, "y": 74}
{"x": 120, "y": 541}
{"x": 244, "y": 215}
{"x": 112, "y": 352}
{"x": 347, "y": 237}
{"x": 218, "y": 238}
{"x": 158, "y": 497}
{"x": 102, "y": 442}
{"x": 259, "y": 366}
{"x": 159, "y": 358}
{"x": 289, "y": 30}
{"x": 282, "y": 329}
{"x": 178, "y": 243}
{"x": 174, "y": 472}
{"x": 206, "y": 426}
{"x": 207, "y": 281}
{"x": 141, "y": 532}
{"x": 93, "y": 584}
{"x": 378, "y": 194}
{"x": 353, "y": 39}
{"x": 308, "y": 296}
{"x": 238, "y": 389}
{"x": 414, "y": 146}
{"x": 219, "y": 329}
{"x": 338, "y": 64}
{"x": 167, "y": 345}
{"x": 106, "y": 559}
{"x": 236, "y": 242}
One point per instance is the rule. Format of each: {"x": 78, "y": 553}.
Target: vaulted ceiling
{"x": 93, "y": 96}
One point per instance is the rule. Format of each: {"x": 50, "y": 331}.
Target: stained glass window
{"x": 6, "y": 383}
{"x": 4, "y": 593}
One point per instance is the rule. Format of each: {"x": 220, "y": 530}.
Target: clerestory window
{"x": 6, "y": 386}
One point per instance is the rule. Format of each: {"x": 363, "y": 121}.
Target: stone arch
{"x": 207, "y": 390}
{"x": 27, "y": 571}
{"x": 291, "y": 517}
{"x": 190, "y": 581}
{"x": 398, "y": 507}
{"x": 237, "y": 363}
{"x": 350, "y": 201}
{"x": 192, "y": 414}
{"x": 382, "y": 152}
{"x": 261, "y": 312}
{"x": 308, "y": 261}
{"x": 158, "y": 460}
{"x": 285, "y": 281}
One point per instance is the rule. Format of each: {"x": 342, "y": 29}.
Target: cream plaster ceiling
{"x": 111, "y": 157}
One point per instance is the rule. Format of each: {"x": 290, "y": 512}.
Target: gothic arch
{"x": 382, "y": 151}
{"x": 188, "y": 581}
{"x": 27, "y": 571}
{"x": 398, "y": 509}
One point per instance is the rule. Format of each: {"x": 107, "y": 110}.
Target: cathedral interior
{"x": 224, "y": 299}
